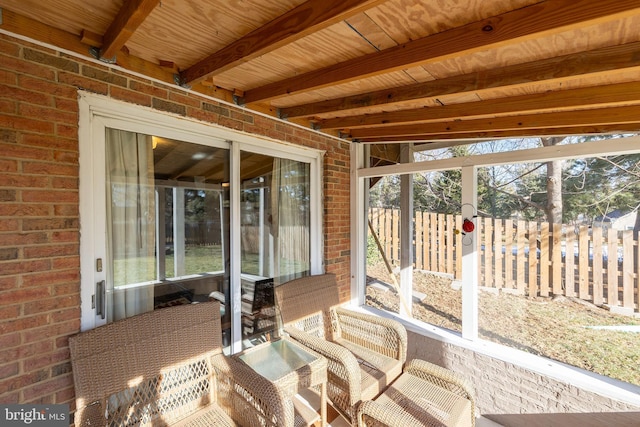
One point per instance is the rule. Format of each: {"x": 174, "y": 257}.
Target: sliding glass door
{"x": 275, "y": 230}
{"x": 167, "y": 231}
{"x": 174, "y": 212}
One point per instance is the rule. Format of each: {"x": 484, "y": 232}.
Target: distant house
{"x": 617, "y": 219}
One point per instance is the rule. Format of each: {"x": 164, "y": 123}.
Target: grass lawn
{"x": 557, "y": 328}
{"x": 198, "y": 259}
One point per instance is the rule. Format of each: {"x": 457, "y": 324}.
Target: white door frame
{"x": 98, "y": 112}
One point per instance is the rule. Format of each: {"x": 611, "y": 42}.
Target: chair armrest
{"x": 248, "y": 397}
{"x": 385, "y": 336}
{"x": 342, "y": 366}
{"x": 444, "y": 378}
{"x": 372, "y": 413}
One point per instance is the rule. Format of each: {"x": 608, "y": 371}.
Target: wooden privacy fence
{"x": 525, "y": 257}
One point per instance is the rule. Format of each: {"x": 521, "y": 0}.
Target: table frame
{"x": 305, "y": 375}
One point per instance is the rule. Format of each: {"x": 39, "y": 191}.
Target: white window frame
{"x": 97, "y": 112}
{"x": 612, "y": 147}
{"x": 469, "y": 338}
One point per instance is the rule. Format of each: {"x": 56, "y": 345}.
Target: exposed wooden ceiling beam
{"x": 582, "y": 98}
{"x": 299, "y": 22}
{"x": 551, "y": 16}
{"x": 14, "y": 23}
{"x": 27, "y": 27}
{"x": 610, "y": 58}
{"x": 91, "y": 38}
{"x": 131, "y": 15}
{"x": 591, "y": 117}
{"x": 444, "y": 140}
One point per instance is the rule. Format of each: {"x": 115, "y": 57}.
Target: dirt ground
{"x": 558, "y": 328}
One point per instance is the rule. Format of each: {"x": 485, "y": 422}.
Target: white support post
{"x": 406, "y": 233}
{"x": 179, "y": 246}
{"x": 235, "y": 251}
{"x": 262, "y": 228}
{"x": 359, "y": 194}
{"x": 469, "y": 255}
{"x": 161, "y": 232}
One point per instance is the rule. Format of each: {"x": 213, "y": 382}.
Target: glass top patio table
{"x": 291, "y": 367}
{"x": 277, "y": 359}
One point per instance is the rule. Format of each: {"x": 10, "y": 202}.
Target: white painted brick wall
{"x": 504, "y": 388}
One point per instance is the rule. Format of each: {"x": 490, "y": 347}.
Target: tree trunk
{"x": 554, "y": 184}
{"x": 554, "y": 198}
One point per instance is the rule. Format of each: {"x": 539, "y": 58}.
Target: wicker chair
{"x": 424, "y": 395}
{"x": 365, "y": 353}
{"x": 165, "y": 367}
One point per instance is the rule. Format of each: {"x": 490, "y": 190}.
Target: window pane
{"x": 201, "y": 231}
{"x": 291, "y": 218}
{"x": 167, "y": 228}
{"x": 435, "y": 295}
{"x": 558, "y": 260}
{"x": 275, "y": 221}
{"x": 557, "y": 245}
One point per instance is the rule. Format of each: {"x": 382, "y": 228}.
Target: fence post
{"x": 441, "y": 244}
{"x": 533, "y": 259}
{"x": 612, "y": 267}
{"x": 520, "y": 257}
{"x": 458, "y": 271}
{"x": 395, "y": 235}
{"x": 449, "y": 243}
{"x": 387, "y": 233}
{"x": 596, "y": 236}
{"x": 628, "y": 264}
{"x": 544, "y": 259}
{"x": 488, "y": 252}
{"x": 583, "y": 262}
{"x": 497, "y": 250}
{"x": 556, "y": 263}
{"x": 570, "y": 263}
{"x": 636, "y": 285}
{"x": 426, "y": 236}
{"x": 419, "y": 240}
{"x": 508, "y": 254}
{"x": 433, "y": 235}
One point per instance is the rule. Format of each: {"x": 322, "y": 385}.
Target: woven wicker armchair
{"x": 165, "y": 367}
{"x": 365, "y": 353}
{"x": 424, "y": 395}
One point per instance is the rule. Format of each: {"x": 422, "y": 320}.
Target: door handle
{"x": 100, "y": 299}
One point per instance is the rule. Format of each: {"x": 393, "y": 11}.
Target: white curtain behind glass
{"x": 130, "y": 223}
{"x": 290, "y": 218}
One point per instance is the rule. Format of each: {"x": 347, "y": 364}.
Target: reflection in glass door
{"x": 275, "y": 232}
{"x": 167, "y": 224}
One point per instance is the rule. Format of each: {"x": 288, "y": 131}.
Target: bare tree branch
{"x": 523, "y": 199}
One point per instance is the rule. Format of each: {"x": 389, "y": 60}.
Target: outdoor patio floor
{"x": 336, "y": 420}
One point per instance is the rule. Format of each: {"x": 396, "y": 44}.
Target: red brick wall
{"x": 39, "y": 224}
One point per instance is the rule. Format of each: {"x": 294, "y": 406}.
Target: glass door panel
{"x": 167, "y": 224}
{"x": 275, "y": 230}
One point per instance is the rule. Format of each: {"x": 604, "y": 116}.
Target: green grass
{"x": 198, "y": 259}
{"x": 555, "y": 328}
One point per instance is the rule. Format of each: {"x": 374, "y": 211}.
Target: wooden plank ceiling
{"x": 375, "y": 71}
